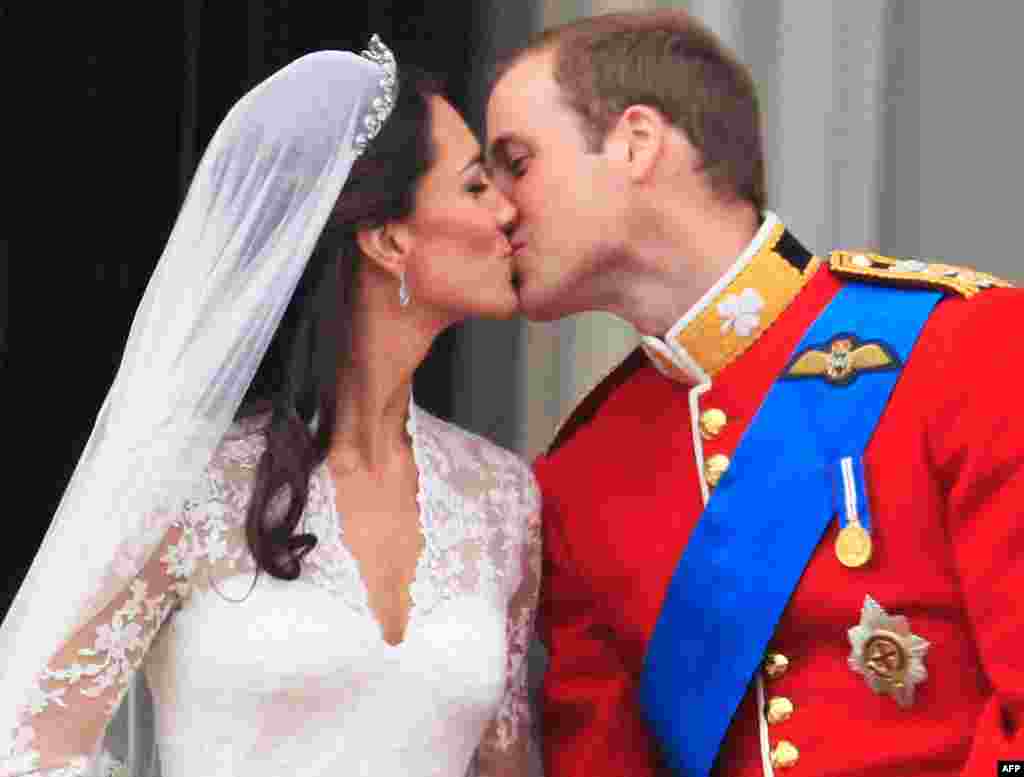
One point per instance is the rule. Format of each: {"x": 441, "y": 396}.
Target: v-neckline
{"x": 419, "y": 571}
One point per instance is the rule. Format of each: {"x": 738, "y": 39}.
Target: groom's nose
{"x": 507, "y": 213}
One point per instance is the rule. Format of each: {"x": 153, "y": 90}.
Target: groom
{"x": 787, "y": 532}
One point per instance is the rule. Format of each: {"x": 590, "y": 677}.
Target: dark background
{"x": 148, "y": 87}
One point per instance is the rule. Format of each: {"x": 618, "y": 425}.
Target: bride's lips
{"x": 517, "y": 247}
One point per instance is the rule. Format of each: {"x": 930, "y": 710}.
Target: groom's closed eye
{"x": 507, "y": 157}
{"x": 497, "y": 158}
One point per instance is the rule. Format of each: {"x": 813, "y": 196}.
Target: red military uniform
{"x": 622, "y": 490}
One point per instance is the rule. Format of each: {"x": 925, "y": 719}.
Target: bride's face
{"x": 460, "y": 257}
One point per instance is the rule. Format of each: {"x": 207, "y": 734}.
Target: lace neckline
{"x": 333, "y": 565}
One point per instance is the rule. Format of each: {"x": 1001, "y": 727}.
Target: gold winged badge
{"x": 842, "y": 359}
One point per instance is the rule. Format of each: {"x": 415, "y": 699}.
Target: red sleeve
{"x": 590, "y": 721}
{"x": 978, "y": 441}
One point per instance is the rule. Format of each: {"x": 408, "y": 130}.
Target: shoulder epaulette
{"x": 590, "y": 404}
{"x": 912, "y": 272}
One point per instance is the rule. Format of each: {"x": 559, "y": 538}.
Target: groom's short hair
{"x": 670, "y": 61}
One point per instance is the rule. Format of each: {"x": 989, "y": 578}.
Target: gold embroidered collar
{"x": 734, "y": 312}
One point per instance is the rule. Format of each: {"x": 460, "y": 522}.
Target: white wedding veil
{"x": 257, "y": 204}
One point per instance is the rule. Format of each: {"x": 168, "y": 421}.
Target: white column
{"x": 798, "y": 156}
{"x": 857, "y": 133}
{"x": 825, "y": 156}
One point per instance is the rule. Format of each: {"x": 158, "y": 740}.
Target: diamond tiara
{"x": 378, "y": 53}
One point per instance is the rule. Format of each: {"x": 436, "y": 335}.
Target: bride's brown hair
{"x": 313, "y": 339}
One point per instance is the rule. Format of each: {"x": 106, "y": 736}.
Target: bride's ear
{"x": 387, "y": 246}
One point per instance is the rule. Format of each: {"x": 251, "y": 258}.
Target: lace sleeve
{"x": 508, "y": 746}
{"x": 78, "y": 692}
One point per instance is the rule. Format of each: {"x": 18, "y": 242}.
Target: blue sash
{"x": 757, "y": 533}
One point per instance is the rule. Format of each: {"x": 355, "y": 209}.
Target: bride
{"x": 337, "y": 583}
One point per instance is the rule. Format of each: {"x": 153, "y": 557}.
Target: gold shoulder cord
{"x": 913, "y": 272}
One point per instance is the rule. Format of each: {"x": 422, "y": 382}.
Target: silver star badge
{"x": 887, "y": 654}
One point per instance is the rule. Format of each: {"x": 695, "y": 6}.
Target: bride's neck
{"x": 375, "y": 388}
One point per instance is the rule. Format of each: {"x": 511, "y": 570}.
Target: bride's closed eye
{"x": 478, "y": 186}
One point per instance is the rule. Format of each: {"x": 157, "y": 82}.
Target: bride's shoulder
{"x": 221, "y": 496}
{"x": 245, "y": 439}
{"x": 237, "y": 456}
{"x": 474, "y": 455}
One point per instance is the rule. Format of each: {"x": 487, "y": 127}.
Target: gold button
{"x": 712, "y": 422}
{"x": 715, "y": 467}
{"x": 785, "y": 755}
{"x": 775, "y": 665}
{"x": 780, "y": 709}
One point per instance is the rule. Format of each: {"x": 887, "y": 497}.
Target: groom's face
{"x": 568, "y": 197}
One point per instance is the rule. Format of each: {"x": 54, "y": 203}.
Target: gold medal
{"x": 885, "y": 656}
{"x": 853, "y": 545}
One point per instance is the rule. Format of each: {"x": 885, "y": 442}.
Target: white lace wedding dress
{"x": 255, "y": 676}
